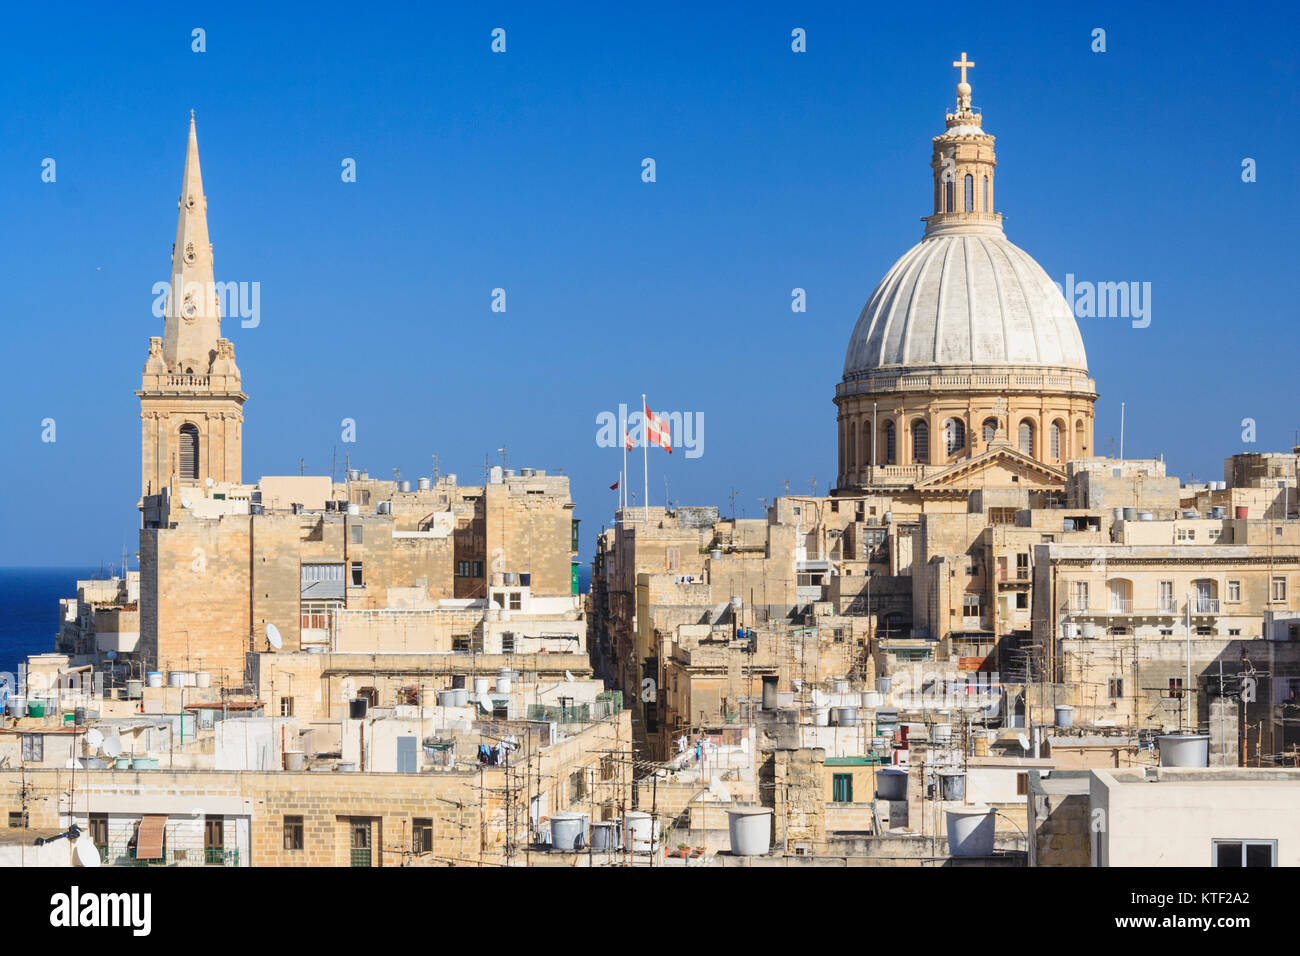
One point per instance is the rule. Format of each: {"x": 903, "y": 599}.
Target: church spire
{"x": 193, "y": 318}
{"x": 962, "y": 163}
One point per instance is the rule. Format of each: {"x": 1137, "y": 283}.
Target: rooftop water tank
{"x": 481, "y": 686}
{"x": 354, "y": 474}
{"x": 952, "y": 784}
{"x": 883, "y": 684}
{"x": 1146, "y": 516}
{"x": 1184, "y": 750}
{"x": 423, "y": 484}
{"x": 970, "y": 831}
{"x": 403, "y": 486}
{"x": 568, "y": 831}
{"x": 1130, "y": 514}
{"x": 604, "y": 836}
{"x": 750, "y": 829}
{"x": 1064, "y": 715}
{"x": 640, "y": 831}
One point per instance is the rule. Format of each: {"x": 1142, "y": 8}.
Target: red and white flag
{"x": 656, "y": 430}
{"x": 627, "y": 442}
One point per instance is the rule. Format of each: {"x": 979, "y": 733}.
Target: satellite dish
{"x": 87, "y": 852}
{"x": 485, "y": 703}
{"x": 568, "y": 677}
{"x": 95, "y": 737}
{"x": 1024, "y": 741}
{"x": 111, "y": 655}
{"x": 720, "y": 792}
{"x": 113, "y": 747}
{"x": 273, "y": 637}
{"x": 209, "y": 482}
{"x": 185, "y": 502}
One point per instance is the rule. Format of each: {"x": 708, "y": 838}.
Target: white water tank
{"x": 1184, "y": 750}
{"x": 750, "y": 829}
{"x": 481, "y": 686}
{"x": 504, "y": 680}
{"x": 568, "y": 831}
{"x": 970, "y": 831}
{"x": 640, "y": 831}
{"x": 423, "y": 484}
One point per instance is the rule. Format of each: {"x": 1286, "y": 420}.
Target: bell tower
{"x": 191, "y": 405}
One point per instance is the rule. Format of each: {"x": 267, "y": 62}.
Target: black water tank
{"x": 357, "y": 708}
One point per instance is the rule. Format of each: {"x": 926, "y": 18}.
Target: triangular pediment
{"x": 1000, "y": 466}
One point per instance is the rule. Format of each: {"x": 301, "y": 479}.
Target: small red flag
{"x": 614, "y": 486}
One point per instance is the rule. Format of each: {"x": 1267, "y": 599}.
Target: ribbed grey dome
{"x": 965, "y": 299}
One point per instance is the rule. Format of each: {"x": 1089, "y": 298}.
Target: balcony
{"x": 1205, "y": 605}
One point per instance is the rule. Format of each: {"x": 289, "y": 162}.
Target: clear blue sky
{"x": 522, "y": 170}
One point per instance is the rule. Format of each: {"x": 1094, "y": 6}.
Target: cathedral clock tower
{"x": 191, "y": 405}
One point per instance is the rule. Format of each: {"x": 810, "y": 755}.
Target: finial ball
{"x": 963, "y": 89}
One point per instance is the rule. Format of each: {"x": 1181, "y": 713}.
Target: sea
{"x": 29, "y": 599}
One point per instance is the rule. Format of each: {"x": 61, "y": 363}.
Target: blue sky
{"x": 522, "y": 171}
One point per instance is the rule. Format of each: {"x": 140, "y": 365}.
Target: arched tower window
{"x": 189, "y": 452}
{"x": 864, "y": 451}
{"x": 1027, "y": 437}
{"x": 1057, "y": 434}
{"x": 969, "y": 193}
{"x": 949, "y": 203}
{"x": 891, "y": 444}
{"x": 954, "y": 435}
{"x": 1079, "y": 444}
{"x": 989, "y": 429}
{"x": 851, "y": 461}
{"x": 920, "y": 442}
{"x": 986, "y": 195}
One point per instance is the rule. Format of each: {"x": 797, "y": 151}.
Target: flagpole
{"x": 645, "y": 456}
{"x": 623, "y": 493}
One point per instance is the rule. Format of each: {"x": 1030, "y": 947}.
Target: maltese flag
{"x": 656, "y": 430}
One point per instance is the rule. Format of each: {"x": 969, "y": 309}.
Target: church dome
{"x": 964, "y": 297}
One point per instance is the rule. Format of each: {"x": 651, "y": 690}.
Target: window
{"x": 460, "y": 642}
{"x": 1022, "y": 600}
{"x": 356, "y": 534}
{"x": 989, "y": 429}
{"x": 516, "y": 601}
{"x": 1234, "y": 591}
{"x": 968, "y": 193}
{"x": 1204, "y": 631}
{"x": 422, "y": 835}
{"x": 33, "y": 748}
{"x": 286, "y": 706}
{"x": 949, "y": 203}
{"x": 986, "y": 194}
{"x": 1186, "y": 534}
{"x": 360, "y": 843}
{"x": 507, "y": 643}
{"x": 954, "y": 435}
{"x": 189, "y": 452}
{"x": 1022, "y": 784}
{"x": 358, "y": 580}
{"x": 1022, "y": 567}
{"x": 1080, "y": 599}
{"x": 1244, "y": 852}
{"x": 577, "y": 786}
{"x": 293, "y": 833}
{"x": 1167, "y": 596}
{"x": 1027, "y": 437}
{"x": 920, "y": 441}
{"x": 672, "y": 559}
{"x": 1055, "y": 434}
{"x": 1002, "y": 516}
{"x": 891, "y": 444}
{"x": 864, "y": 451}
{"x": 971, "y": 606}
{"x": 17, "y": 818}
{"x": 1277, "y": 589}
{"x": 99, "y": 833}
{"x": 842, "y": 788}
{"x": 1234, "y": 632}
{"x": 1115, "y": 688}
{"x": 214, "y": 841}
{"x": 1175, "y": 688}
{"x": 462, "y": 569}
{"x": 476, "y": 569}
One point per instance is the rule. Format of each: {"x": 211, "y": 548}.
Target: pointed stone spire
{"x": 192, "y": 323}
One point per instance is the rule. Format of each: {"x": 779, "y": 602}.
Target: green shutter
{"x": 573, "y": 578}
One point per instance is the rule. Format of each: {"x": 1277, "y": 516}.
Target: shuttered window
{"x": 189, "y": 452}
